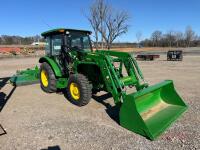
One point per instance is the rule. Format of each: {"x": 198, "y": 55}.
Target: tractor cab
{"x": 61, "y": 39}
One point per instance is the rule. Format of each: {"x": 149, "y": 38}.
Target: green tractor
{"x": 70, "y": 64}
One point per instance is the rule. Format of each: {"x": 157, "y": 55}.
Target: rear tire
{"x": 47, "y": 78}
{"x": 79, "y": 90}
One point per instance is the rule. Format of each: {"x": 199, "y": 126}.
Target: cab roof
{"x": 63, "y": 30}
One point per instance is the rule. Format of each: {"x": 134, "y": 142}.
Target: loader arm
{"x": 114, "y": 83}
{"x": 111, "y": 81}
{"x": 125, "y": 56}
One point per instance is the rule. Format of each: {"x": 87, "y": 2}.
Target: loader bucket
{"x": 25, "y": 77}
{"x": 150, "y": 111}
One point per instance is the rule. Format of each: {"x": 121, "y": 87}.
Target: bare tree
{"x": 107, "y": 22}
{"x": 96, "y": 17}
{"x": 102, "y": 10}
{"x": 170, "y": 37}
{"x": 189, "y": 35}
{"x": 156, "y": 37}
{"x": 95, "y": 21}
{"x": 178, "y": 38}
{"x": 116, "y": 25}
{"x": 138, "y": 37}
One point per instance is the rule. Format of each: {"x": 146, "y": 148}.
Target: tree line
{"x": 171, "y": 39}
{"x": 18, "y": 40}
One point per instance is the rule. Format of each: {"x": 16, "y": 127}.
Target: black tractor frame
{"x": 176, "y": 55}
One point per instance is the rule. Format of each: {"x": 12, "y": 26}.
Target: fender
{"x": 53, "y": 65}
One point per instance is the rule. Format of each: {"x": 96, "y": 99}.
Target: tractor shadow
{"x": 3, "y": 97}
{"x": 112, "y": 111}
{"x": 2, "y": 130}
{"x": 3, "y": 82}
{"x": 52, "y": 148}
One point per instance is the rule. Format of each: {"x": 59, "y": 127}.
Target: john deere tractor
{"x": 70, "y": 64}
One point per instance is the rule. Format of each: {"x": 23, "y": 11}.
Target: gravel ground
{"x": 36, "y": 120}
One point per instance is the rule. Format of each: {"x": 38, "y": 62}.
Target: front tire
{"x": 79, "y": 90}
{"x": 47, "y": 78}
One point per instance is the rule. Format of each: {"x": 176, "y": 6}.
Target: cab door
{"x": 56, "y": 43}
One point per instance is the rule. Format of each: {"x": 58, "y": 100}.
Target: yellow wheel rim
{"x": 44, "y": 78}
{"x": 74, "y": 91}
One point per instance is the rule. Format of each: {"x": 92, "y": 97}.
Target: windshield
{"x": 79, "y": 41}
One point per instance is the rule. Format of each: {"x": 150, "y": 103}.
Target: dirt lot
{"x": 36, "y": 120}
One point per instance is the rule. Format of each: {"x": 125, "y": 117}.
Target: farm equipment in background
{"x": 71, "y": 65}
{"x": 175, "y": 55}
{"x": 147, "y": 56}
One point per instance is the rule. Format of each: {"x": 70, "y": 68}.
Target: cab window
{"x": 56, "y": 44}
{"x": 47, "y": 46}
{"x": 79, "y": 41}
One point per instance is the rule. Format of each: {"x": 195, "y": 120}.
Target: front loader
{"x": 71, "y": 65}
